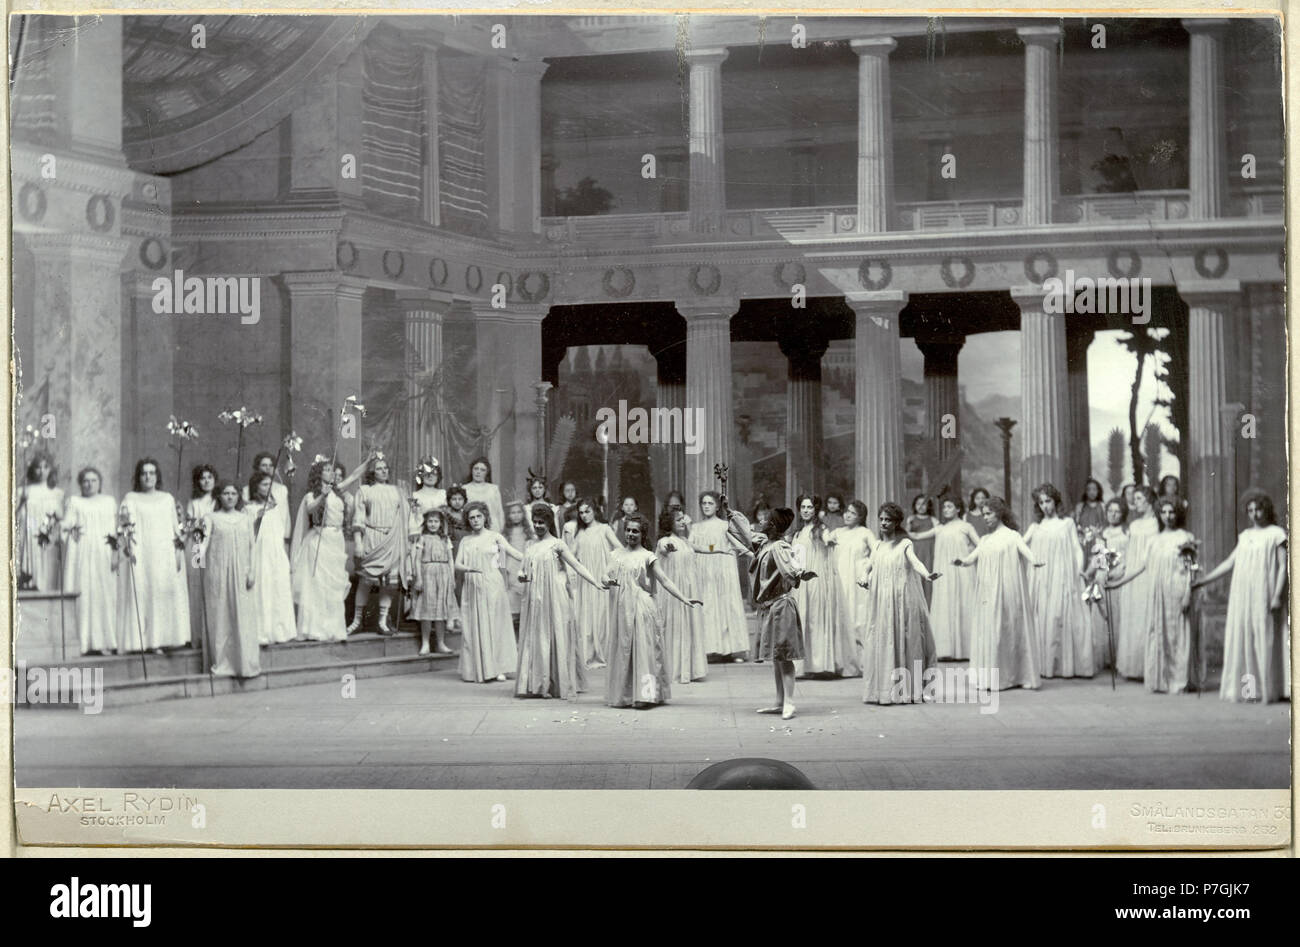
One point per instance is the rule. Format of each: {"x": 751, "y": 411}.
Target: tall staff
{"x": 350, "y": 403}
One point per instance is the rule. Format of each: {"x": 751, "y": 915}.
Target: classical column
{"x": 1206, "y": 127}
{"x": 1262, "y": 384}
{"x": 1044, "y": 404}
{"x": 1079, "y": 465}
{"x": 708, "y": 387}
{"x": 148, "y": 361}
{"x": 83, "y": 57}
{"x": 804, "y": 458}
{"x": 670, "y": 394}
{"x": 423, "y": 313}
{"x": 1042, "y": 152}
{"x": 1211, "y": 454}
{"x": 74, "y": 373}
{"x": 878, "y": 399}
{"x": 943, "y": 404}
{"x": 508, "y": 356}
{"x": 430, "y": 191}
{"x": 875, "y": 135}
{"x": 708, "y": 197}
{"x": 324, "y": 359}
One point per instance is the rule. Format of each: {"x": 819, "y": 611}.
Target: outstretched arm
{"x": 1026, "y": 553}
{"x": 668, "y": 585}
{"x": 918, "y": 565}
{"x": 570, "y": 560}
{"x": 1219, "y": 571}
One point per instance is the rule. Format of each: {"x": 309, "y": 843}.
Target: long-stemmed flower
{"x": 244, "y": 417}
{"x": 183, "y": 431}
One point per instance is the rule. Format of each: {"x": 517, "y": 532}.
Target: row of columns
{"x": 1041, "y": 173}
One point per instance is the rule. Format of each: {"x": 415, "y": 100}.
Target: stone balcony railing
{"x": 802, "y": 224}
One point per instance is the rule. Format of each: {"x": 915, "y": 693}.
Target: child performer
{"x": 900, "y": 635}
{"x": 1256, "y": 659}
{"x": 40, "y": 505}
{"x": 488, "y": 651}
{"x": 434, "y": 582}
{"x": 638, "y": 672}
{"x": 1004, "y": 636}
{"x": 228, "y": 581}
{"x": 428, "y": 494}
{"x": 92, "y": 564}
{"x": 954, "y": 593}
{"x": 380, "y": 527}
{"x": 549, "y": 661}
{"x": 593, "y": 542}
{"x": 683, "y": 632}
{"x": 518, "y": 532}
{"x": 775, "y": 573}
{"x": 1065, "y": 633}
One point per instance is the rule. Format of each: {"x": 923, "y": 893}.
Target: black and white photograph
{"x": 638, "y": 402}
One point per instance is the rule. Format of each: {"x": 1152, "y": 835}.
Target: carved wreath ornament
{"x": 867, "y": 267}
{"x": 953, "y": 281}
{"x": 713, "y": 284}
{"x": 533, "y": 292}
{"x": 624, "y": 288}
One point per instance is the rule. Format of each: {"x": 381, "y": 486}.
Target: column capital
{"x": 323, "y": 283}
{"x": 1210, "y": 292}
{"x": 884, "y": 302}
{"x": 1039, "y": 35}
{"x": 874, "y": 46}
{"x": 710, "y": 56}
{"x": 1029, "y": 298}
{"x": 940, "y": 347}
{"x": 79, "y": 247}
{"x": 713, "y": 310}
{"x": 529, "y": 68}
{"x": 517, "y": 313}
{"x": 803, "y": 345}
{"x": 1207, "y": 25}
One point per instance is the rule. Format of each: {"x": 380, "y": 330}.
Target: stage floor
{"x": 433, "y": 731}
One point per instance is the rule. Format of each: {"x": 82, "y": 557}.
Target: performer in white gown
{"x": 380, "y": 527}
{"x": 829, "y": 647}
{"x": 683, "y": 628}
{"x": 40, "y": 505}
{"x": 726, "y": 632}
{"x": 479, "y": 488}
{"x": 851, "y": 546}
{"x": 488, "y": 651}
{"x": 1004, "y": 633}
{"x": 428, "y": 494}
{"x": 1256, "y": 655}
{"x": 203, "y": 480}
{"x": 92, "y": 563}
{"x": 153, "y": 608}
{"x": 1135, "y": 596}
{"x": 549, "y": 661}
{"x": 229, "y": 577}
{"x": 274, "y": 594}
{"x": 319, "y": 558}
{"x": 1064, "y": 626}
{"x": 953, "y": 597}
{"x": 593, "y": 541}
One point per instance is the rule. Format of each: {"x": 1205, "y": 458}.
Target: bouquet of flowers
{"x": 123, "y": 540}
{"x": 241, "y": 415}
{"x": 1101, "y": 562}
{"x": 191, "y": 528}
{"x": 1187, "y": 554}
{"x": 49, "y": 531}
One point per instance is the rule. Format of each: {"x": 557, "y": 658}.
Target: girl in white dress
{"x": 428, "y": 494}
{"x": 229, "y": 577}
{"x": 319, "y": 558}
{"x": 593, "y": 541}
{"x": 1064, "y": 626}
{"x": 638, "y": 668}
{"x": 488, "y": 651}
{"x": 271, "y": 530}
{"x": 851, "y": 546}
{"x": 203, "y": 480}
{"x": 683, "y": 631}
{"x": 479, "y": 488}
{"x": 518, "y": 532}
{"x": 1134, "y": 598}
{"x": 954, "y": 590}
{"x": 1256, "y": 656}
{"x": 153, "y": 606}
{"x": 1106, "y": 613}
{"x": 828, "y": 644}
{"x": 726, "y": 632}
{"x": 434, "y": 582}
{"x": 549, "y": 662}
{"x": 92, "y": 564}
{"x": 1004, "y": 636}
{"x": 40, "y": 504}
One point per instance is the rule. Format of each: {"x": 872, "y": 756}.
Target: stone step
{"x": 124, "y": 692}
{"x": 185, "y": 662}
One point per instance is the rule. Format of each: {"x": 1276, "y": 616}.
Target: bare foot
{"x": 424, "y": 649}
{"x": 443, "y": 649}
{"x": 501, "y": 677}
{"x": 787, "y": 711}
{"x": 768, "y": 710}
